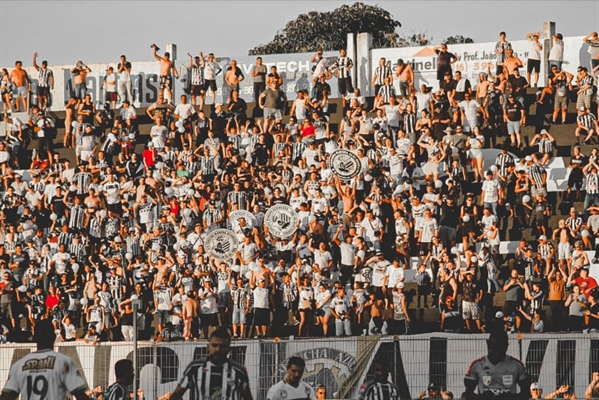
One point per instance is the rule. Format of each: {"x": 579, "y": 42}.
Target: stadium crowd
{"x": 90, "y": 237}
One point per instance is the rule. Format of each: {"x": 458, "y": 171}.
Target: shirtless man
{"x": 167, "y": 69}
{"x": 405, "y": 74}
{"x": 80, "y": 72}
{"x": 511, "y": 62}
{"x": 190, "y": 313}
{"x": 378, "y": 323}
{"x": 348, "y": 197}
{"x": 21, "y": 85}
{"x": 562, "y": 236}
{"x": 233, "y": 77}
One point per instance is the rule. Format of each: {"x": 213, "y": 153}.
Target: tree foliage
{"x": 328, "y": 30}
{"x": 457, "y": 39}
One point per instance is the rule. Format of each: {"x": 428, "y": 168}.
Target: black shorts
{"x": 509, "y": 308}
{"x": 533, "y": 65}
{"x": 209, "y": 320}
{"x": 197, "y": 90}
{"x": 424, "y": 247}
{"x": 345, "y": 85}
{"x": 261, "y": 317}
{"x": 43, "y": 91}
{"x": 166, "y": 81}
{"x": 210, "y": 84}
{"x": 110, "y": 96}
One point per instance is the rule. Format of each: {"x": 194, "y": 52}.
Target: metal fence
{"x": 341, "y": 364}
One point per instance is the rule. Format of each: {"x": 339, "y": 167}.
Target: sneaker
{"x": 296, "y": 322}
{"x": 595, "y": 261}
{"x": 235, "y": 337}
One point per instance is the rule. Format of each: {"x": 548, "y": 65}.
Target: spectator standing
{"x": 124, "y": 71}
{"x": 534, "y": 57}
{"x": 45, "y": 83}
{"x": 342, "y": 69}
{"x": 79, "y": 72}
{"x": 211, "y": 70}
{"x": 444, "y": 61}
{"x": 21, "y": 84}
{"x": 259, "y": 75}
{"x": 500, "y": 49}
{"x": 592, "y": 40}
{"x": 167, "y": 69}
{"x": 556, "y": 54}
{"x": 380, "y": 74}
{"x": 109, "y": 86}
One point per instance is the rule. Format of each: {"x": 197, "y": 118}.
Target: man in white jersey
{"x": 44, "y": 374}
{"x": 292, "y": 387}
{"x": 496, "y": 375}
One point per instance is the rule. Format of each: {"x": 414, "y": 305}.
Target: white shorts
{"x": 563, "y": 251}
{"x": 470, "y": 310}
{"x": 431, "y": 168}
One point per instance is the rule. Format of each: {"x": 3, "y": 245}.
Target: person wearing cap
{"x": 405, "y": 75}
{"x": 556, "y": 54}
{"x": 586, "y": 124}
{"x": 514, "y": 116}
{"x": 433, "y": 391}
{"x": 400, "y": 324}
{"x": 546, "y": 143}
{"x": 534, "y": 57}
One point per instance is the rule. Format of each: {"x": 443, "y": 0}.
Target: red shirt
{"x": 149, "y": 155}
{"x": 586, "y": 284}
{"x": 52, "y": 301}
{"x": 308, "y": 131}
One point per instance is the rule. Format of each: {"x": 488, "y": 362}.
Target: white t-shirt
{"x": 533, "y": 53}
{"x": 184, "y": 110}
{"x": 110, "y": 87}
{"x": 491, "y": 188}
{"x": 158, "y": 134}
{"x": 284, "y": 391}
{"x": 49, "y": 375}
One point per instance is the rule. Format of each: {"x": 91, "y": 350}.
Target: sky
{"x": 63, "y": 32}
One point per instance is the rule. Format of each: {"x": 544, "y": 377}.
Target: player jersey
{"x": 373, "y": 390}
{"x": 116, "y": 391}
{"x": 208, "y": 381}
{"x": 497, "y": 379}
{"x": 44, "y": 375}
{"x": 284, "y": 391}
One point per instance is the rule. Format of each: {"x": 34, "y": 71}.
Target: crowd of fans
{"x": 89, "y": 238}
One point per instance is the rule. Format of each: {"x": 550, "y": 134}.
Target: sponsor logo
{"x": 221, "y": 244}
{"x": 345, "y": 164}
{"x": 35, "y": 364}
{"x": 281, "y": 220}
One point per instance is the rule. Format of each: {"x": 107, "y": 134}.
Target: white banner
{"x": 472, "y": 59}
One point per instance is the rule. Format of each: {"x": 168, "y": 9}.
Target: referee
{"x": 216, "y": 376}
{"x": 379, "y": 388}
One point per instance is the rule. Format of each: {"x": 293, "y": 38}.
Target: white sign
{"x": 281, "y": 220}
{"x": 345, "y": 164}
{"x": 221, "y": 244}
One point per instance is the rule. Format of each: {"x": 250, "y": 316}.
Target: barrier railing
{"x": 340, "y": 364}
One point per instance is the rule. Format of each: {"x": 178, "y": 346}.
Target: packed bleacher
{"x": 412, "y": 211}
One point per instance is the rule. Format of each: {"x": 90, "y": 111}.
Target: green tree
{"x": 457, "y": 39}
{"x": 328, "y": 30}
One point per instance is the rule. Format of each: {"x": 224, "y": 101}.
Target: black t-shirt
{"x": 517, "y": 84}
{"x": 219, "y": 123}
{"x": 239, "y": 106}
{"x": 443, "y": 58}
{"x": 513, "y": 111}
{"x": 449, "y": 85}
{"x": 58, "y": 206}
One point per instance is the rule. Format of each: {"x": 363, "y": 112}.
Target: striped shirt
{"x": 545, "y": 250}
{"x": 537, "y": 173}
{"x": 503, "y": 161}
{"x": 95, "y": 227}
{"x": 65, "y": 238}
{"x": 381, "y": 73}
{"x": 587, "y": 120}
{"x": 77, "y": 217}
{"x": 587, "y": 80}
{"x": 592, "y": 183}
{"x": 342, "y": 64}
{"x": 197, "y": 75}
{"x": 206, "y": 380}
{"x": 239, "y": 198}
{"x": 386, "y": 92}
{"x": 82, "y": 180}
{"x": 207, "y": 165}
{"x": 573, "y": 223}
{"x": 116, "y": 391}
{"x": 409, "y": 122}
{"x": 297, "y": 149}
{"x": 373, "y": 390}
{"x": 44, "y": 77}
